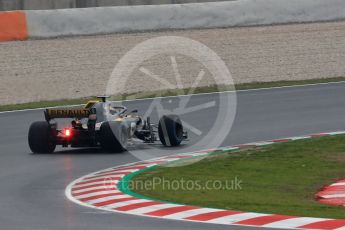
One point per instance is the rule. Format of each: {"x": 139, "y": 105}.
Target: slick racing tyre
{"x": 113, "y": 136}
{"x": 170, "y": 130}
{"x": 41, "y": 137}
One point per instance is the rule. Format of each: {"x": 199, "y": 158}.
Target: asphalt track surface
{"x": 32, "y": 186}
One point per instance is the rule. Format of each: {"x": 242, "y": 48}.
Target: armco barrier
{"x": 103, "y": 20}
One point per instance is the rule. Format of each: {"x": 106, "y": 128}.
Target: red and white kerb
{"x": 99, "y": 190}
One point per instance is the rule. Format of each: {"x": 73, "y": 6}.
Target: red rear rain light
{"x": 68, "y": 132}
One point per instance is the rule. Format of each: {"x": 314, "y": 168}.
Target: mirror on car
{"x": 134, "y": 111}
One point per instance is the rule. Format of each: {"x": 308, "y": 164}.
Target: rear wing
{"x": 67, "y": 113}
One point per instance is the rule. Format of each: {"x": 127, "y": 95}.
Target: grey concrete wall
{"x": 7, "y": 5}
{"x": 106, "y": 20}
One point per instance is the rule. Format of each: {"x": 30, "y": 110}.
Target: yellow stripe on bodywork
{"x": 90, "y": 104}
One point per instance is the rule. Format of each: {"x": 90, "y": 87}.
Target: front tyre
{"x": 41, "y": 137}
{"x": 170, "y": 130}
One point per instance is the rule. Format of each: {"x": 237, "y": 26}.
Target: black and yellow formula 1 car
{"x": 104, "y": 124}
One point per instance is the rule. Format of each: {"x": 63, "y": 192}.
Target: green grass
{"x": 280, "y": 178}
{"x": 42, "y": 104}
{"x": 165, "y": 93}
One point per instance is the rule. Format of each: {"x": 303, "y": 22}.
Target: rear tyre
{"x": 41, "y": 137}
{"x": 170, "y": 130}
{"x": 113, "y": 136}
